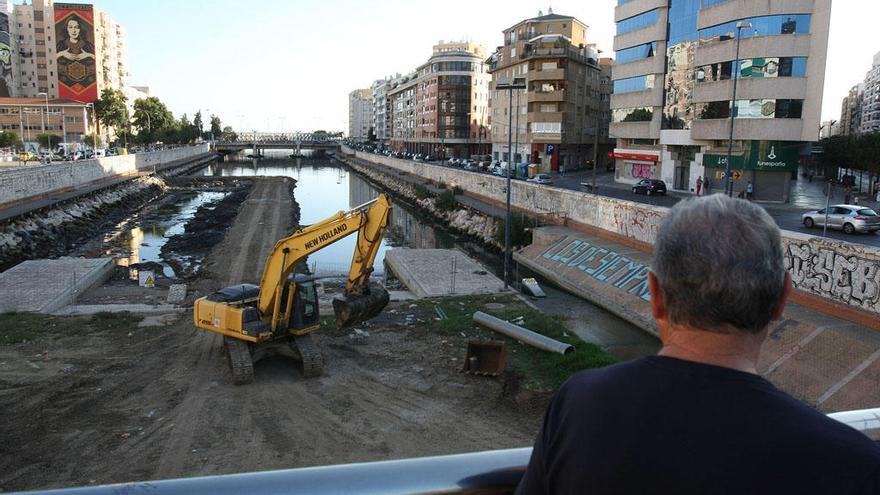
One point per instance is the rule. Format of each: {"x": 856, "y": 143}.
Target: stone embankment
{"x": 52, "y": 233}
{"x": 462, "y": 219}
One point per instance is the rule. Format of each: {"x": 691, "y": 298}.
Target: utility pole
{"x": 595, "y": 152}
{"x": 510, "y": 86}
{"x": 729, "y": 182}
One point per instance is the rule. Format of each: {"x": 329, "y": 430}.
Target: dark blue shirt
{"x": 664, "y": 425}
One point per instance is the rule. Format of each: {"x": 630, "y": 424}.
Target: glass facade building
{"x": 673, "y": 87}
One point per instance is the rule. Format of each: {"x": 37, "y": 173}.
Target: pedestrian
{"x": 749, "y": 190}
{"x": 699, "y": 184}
{"x": 877, "y": 191}
{"x": 698, "y": 418}
{"x": 855, "y": 199}
{"x": 847, "y": 195}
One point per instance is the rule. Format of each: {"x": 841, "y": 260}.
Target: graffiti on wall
{"x": 5, "y": 57}
{"x": 826, "y": 272}
{"x": 601, "y": 264}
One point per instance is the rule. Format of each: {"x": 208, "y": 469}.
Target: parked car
{"x": 849, "y": 218}
{"x": 542, "y": 179}
{"x": 501, "y": 169}
{"x": 649, "y": 187}
{"x": 471, "y": 165}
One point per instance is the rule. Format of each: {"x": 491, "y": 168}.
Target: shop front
{"x": 768, "y": 165}
{"x": 633, "y": 166}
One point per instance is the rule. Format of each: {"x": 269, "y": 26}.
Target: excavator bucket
{"x": 351, "y": 310}
{"x": 485, "y": 357}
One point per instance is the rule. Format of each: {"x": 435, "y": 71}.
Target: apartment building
{"x": 851, "y": 112}
{"x": 379, "y": 111}
{"x": 67, "y": 120}
{"x": 360, "y": 114}
{"x": 441, "y": 108}
{"x": 557, "y": 119}
{"x": 870, "y": 99}
{"x": 673, "y": 90}
{"x": 66, "y": 50}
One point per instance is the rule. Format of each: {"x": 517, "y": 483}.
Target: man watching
{"x": 697, "y": 418}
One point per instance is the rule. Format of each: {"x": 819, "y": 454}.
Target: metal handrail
{"x": 491, "y": 472}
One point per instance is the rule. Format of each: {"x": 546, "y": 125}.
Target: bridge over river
{"x": 258, "y": 141}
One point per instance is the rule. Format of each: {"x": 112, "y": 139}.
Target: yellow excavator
{"x": 279, "y": 315}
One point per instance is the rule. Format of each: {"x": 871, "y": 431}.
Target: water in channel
{"x": 325, "y": 187}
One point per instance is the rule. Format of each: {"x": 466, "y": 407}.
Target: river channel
{"x": 325, "y": 187}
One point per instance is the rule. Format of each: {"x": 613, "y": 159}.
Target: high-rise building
{"x": 870, "y": 101}
{"x": 360, "y": 114}
{"x": 565, "y": 104}
{"x": 851, "y": 112}
{"x": 441, "y": 108}
{"x": 66, "y": 50}
{"x": 380, "y": 95}
{"x": 673, "y": 90}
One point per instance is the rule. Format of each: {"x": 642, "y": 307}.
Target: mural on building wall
{"x": 6, "y": 81}
{"x": 74, "y": 32}
{"x": 847, "y": 278}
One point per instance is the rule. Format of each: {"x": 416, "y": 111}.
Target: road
{"x": 805, "y": 196}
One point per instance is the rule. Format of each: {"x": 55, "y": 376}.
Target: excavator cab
{"x": 305, "y": 316}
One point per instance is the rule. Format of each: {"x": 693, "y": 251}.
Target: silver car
{"x": 849, "y": 218}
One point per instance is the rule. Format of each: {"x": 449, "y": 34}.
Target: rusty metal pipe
{"x": 522, "y": 334}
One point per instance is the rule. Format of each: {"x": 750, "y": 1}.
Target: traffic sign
{"x": 737, "y": 174}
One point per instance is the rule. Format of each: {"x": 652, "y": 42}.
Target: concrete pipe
{"x": 521, "y": 334}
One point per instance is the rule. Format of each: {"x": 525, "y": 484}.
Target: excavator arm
{"x": 369, "y": 221}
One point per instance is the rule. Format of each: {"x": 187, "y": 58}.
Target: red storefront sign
{"x": 635, "y": 156}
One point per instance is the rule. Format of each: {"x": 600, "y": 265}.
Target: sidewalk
{"x": 827, "y": 362}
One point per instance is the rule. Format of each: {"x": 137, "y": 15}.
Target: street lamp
{"x": 735, "y": 69}
{"x": 46, "y": 125}
{"x": 516, "y": 84}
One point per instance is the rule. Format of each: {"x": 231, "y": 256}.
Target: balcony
{"x": 546, "y": 75}
{"x": 544, "y": 116}
{"x": 558, "y": 95}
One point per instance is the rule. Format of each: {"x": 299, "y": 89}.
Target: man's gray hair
{"x": 719, "y": 262}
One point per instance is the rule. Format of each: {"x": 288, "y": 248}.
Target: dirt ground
{"x": 157, "y": 402}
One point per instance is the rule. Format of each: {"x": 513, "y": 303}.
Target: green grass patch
{"x": 16, "y": 328}
{"x": 538, "y": 370}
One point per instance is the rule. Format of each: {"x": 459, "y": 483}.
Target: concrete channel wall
{"x": 17, "y": 183}
{"x": 834, "y": 271}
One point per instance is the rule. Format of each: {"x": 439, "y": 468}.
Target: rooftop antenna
{"x": 540, "y": 13}
{"x": 550, "y": 10}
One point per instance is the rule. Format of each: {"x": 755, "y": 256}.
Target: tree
{"x": 111, "y": 110}
{"x": 46, "y": 140}
{"x": 9, "y": 139}
{"x": 94, "y": 139}
{"x": 197, "y": 121}
{"x": 152, "y": 118}
{"x": 216, "y": 127}
{"x": 228, "y": 134}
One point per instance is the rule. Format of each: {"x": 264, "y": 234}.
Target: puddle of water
{"x": 323, "y": 188}
{"x": 143, "y": 239}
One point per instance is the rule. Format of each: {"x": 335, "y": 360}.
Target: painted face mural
{"x": 5, "y": 57}
{"x": 76, "y": 52}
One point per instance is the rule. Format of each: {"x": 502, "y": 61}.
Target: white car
{"x": 542, "y": 179}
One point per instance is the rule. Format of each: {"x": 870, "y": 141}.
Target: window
{"x": 638, "y": 22}
{"x": 761, "y": 26}
{"x": 767, "y": 108}
{"x": 765, "y": 67}
{"x": 638, "y": 114}
{"x": 546, "y": 127}
{"x": 633, "y": 84}
{"x": 636, "y": 53}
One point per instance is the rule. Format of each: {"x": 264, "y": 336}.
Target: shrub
{"x": 457, "y": 190}
{"x": 446, "y": 201}
{"x": 422, "y": 192}
{"x": 441, "y": 185}
{"x": 520, "y": 232}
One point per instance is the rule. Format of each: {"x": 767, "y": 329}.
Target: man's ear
{"x": 783, "y": 297}
{"x": 658, "y": 304}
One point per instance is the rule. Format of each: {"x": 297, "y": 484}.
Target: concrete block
{"x": 177, "y": 294}
{"x": 441, "y": 272}
{"x": 45, "y": 286}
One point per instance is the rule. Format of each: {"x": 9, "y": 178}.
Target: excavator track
{"x": 309, "y": 355}
{"x": 240, "y": 362}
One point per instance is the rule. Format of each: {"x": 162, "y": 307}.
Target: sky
{"x": 290, "y": 64}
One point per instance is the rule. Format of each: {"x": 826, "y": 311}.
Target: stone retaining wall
{"x": 835, "y": 271}
{"x": 17, "y": 183}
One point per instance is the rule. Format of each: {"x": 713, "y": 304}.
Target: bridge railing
{"x": 491, "y": 472}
